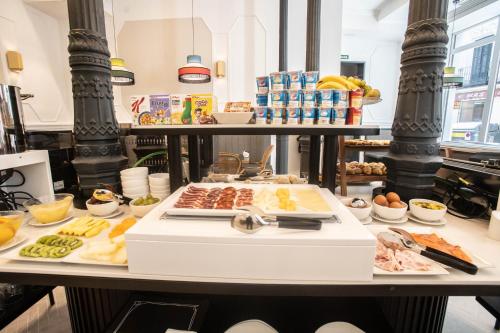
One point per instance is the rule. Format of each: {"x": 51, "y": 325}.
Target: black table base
{"x": 94, "y": 310}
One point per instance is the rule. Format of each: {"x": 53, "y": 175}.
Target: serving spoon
{"x": 250, "y": 223}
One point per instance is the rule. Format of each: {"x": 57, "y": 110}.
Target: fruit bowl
{"x": 10, "y": 222}
{"x": 143, "y": 205}
{"x": 102, "y": 209}
{"x": 388, "y": 212}
{"x": 50, "y": 208}
{"x": 427, "y": 214}
{"x": 233, "y": 117}
{"x": 371, "y": 100}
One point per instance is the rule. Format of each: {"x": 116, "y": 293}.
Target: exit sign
{"x": 344, "y": 57}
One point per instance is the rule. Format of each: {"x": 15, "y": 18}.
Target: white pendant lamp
{"x": 193, "y": 71}
{"x": 120, "y": 75}
{"x": 452, "y": 79}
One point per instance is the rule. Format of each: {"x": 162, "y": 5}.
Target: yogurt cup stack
{"x": 135, "y": 182}
{"x": 159, "y": 185}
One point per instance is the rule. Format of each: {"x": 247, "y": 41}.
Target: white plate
{"x": 74, "y": 258}
{"x": 19, "y": 238}
{"x": 300, "y": 212}
{"x": 378, "y": 218}
{"x": 436, "y": 269}
{"x": 34, "y": 223}
{"x": 434, "y": 223}
{"x": 13, "y": 254}
{"x": 476, "y": 260}
{"x": 368, "y": 220}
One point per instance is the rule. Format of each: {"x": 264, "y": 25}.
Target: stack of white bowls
{"x": 135, "y": 182}
{"x": 159, "y": 185}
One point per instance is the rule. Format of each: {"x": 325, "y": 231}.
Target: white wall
{"x": 331, "y": 40}
{"x": 378, "y": 45}
{"x": 39, "y": 38}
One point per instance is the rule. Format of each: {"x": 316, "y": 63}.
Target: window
{"x": 477, "y": 102}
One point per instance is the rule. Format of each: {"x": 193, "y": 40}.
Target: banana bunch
{"x": 341, "y": 82}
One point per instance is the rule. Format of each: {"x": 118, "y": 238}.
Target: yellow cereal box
{"x": 202, "y": 108}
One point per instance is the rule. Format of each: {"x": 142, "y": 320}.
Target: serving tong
{"x": 402, "y": 240}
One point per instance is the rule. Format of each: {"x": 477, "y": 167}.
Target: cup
{"x": 494, "y": 228}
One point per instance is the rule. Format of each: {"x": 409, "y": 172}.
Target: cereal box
{"x": 159, "y": 107}
{"x": 139, "y": 106}
{"x": 202, "y": 108}
{"x": 177, "y": 107}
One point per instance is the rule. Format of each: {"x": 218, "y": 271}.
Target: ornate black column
{"x": 414, "y": 155}
{"x": 98, "y": 152}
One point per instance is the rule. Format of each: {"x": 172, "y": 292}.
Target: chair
{"x": 339, "y": 327}
{"x": 261, "y": 165}
{"x": 251, "y": 326}
{"x": 227, "y": 163}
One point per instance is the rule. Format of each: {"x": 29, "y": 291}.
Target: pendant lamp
{"x": 452, "y": 79}
{"x": 120, "y": 75}
{"x": 193, "y": 71}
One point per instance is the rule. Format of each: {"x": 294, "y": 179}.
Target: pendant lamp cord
{"x": 192, "y": 21}
{"x": 114, "y": 27}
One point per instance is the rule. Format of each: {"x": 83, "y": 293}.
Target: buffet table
{"x": 469, "y": 233}
{"x": 93, "y": 290}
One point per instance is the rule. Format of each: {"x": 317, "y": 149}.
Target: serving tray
{"x": 300, "y": 212}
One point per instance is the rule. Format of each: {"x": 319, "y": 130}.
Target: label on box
{"x": 309, "y": 98}
{"x": 202, "y": 108}
{"x": 278, "y": 99}
{"x": 261, "y": 115}
{"x": 277, "y": 115}
{"x": 159, "y": 106}
{"x": 340, "y": 116}
{"x": 177, "y": 108}
{"x": 293, "y": 116}
{"x": 308, "y": 116}
{"x": 325, "y": 115}
{"x": 139, "y": 106}
{"x": 294, "y": 98}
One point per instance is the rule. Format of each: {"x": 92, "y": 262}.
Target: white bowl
{"x": 102, "y": 209}
{"x": 135, "y": 182}
{"x": 159, "y": 187}
{"x": 139, "y": 171}
{"x": 160, "y": 192}
{"x": 134, "y": 177}
{"x": 233, "y": 117}
{"x": 425, "y": 213}
{"x": 359, "y": 213}
{"x": 140, "y": 211}
{"x": 390, "y": 213}
{"x": 134, "y": 196}
{"x": 159, "y": 179}
{"x": 133, "y": 189}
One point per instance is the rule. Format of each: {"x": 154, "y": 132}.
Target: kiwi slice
{"x": 59, "y": 251}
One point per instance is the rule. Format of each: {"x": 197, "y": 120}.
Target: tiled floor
{"x": 43, "y": 318}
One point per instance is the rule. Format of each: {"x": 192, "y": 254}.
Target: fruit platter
{"x": 83, "y": 240}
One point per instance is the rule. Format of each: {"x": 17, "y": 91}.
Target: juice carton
{"x": 177, "y": 106}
